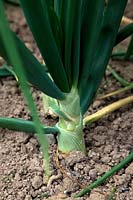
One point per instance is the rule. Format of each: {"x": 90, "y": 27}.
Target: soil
{"x": 108, "y": 141}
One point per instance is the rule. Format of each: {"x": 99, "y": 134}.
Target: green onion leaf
{"x": 106, "y": 41}
{"x": 37, "y": 15}
{"x": 35, "y": 72}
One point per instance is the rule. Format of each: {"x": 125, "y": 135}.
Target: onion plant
{"x": 75, "y": 39}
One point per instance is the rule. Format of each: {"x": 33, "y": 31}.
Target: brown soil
{"x": 108, "y": 141}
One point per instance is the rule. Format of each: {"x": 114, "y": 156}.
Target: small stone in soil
{"x": 93, "y": 174}
{"x": 37, "y": 182}
{"x": 69, "y": 185}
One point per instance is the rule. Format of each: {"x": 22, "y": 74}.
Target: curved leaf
{"x": 35, "y": 72}
{"x": 27, "y": 126}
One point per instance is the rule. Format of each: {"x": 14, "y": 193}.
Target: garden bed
{"x": 108, "y": 141}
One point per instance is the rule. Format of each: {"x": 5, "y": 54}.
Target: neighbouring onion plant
{"x": 75, "y": 39}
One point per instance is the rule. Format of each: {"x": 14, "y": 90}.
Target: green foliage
{"x": 36, "y": 74}
{"x": 75, "y": 40}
